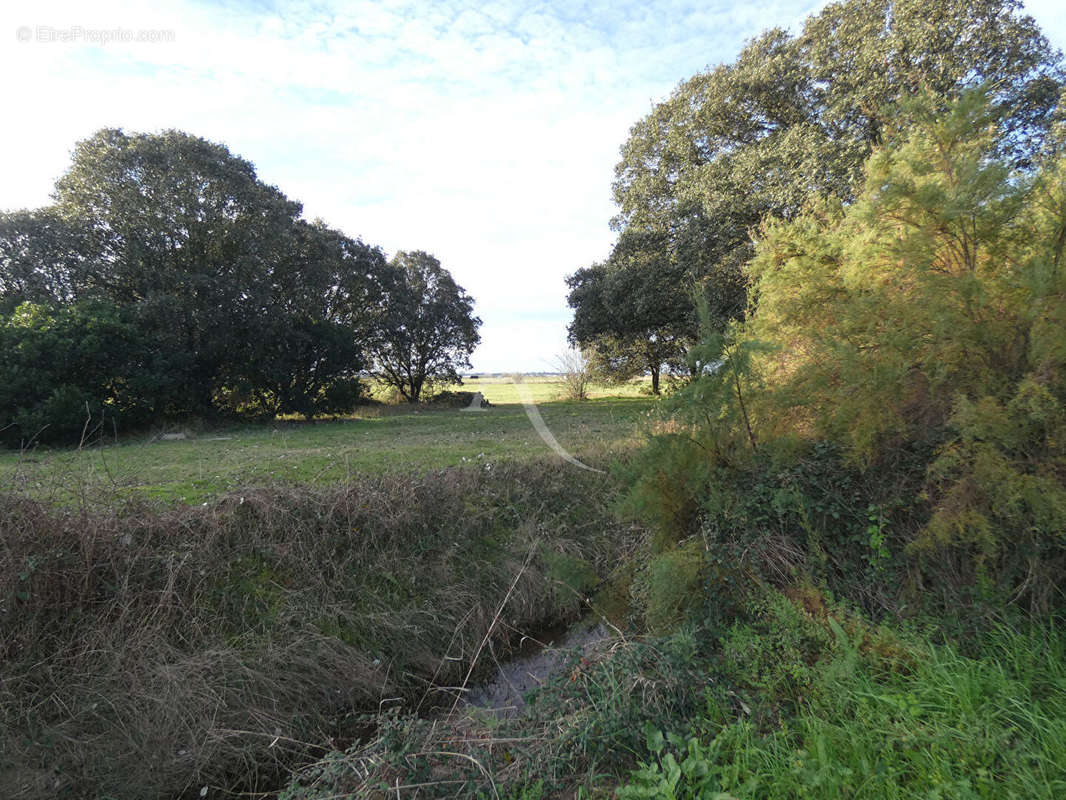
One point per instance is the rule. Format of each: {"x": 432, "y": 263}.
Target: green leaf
{"x": 654, "y": 738}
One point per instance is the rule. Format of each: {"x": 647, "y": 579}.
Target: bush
{"x": 68, "y": 372}
{"x": 576, "y": 372}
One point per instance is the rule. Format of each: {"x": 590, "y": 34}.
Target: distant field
{"x": 501, "y": 389}
{"x": 378, "y": 439}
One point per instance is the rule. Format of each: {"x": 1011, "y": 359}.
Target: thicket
{"x": 167, "y": 281}
{"x": 146, "y": 652}
{"x": 889, "y": 421}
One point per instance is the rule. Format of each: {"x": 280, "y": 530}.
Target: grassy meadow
{"x": 377, "y": 439}
{"x": 158, "y": 645}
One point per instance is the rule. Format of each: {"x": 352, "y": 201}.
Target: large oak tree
{"x": 795, "y": 117}
{"x": 428, "y": 329}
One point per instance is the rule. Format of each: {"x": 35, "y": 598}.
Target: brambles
{"x": 223, "y": 644}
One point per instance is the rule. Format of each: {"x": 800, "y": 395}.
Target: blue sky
{"x": 485, "y": 133}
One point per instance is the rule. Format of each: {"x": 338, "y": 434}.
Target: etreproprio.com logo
{"x": 79, "y": 34}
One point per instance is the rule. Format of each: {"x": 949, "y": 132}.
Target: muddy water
{"x": 537, "y": 660}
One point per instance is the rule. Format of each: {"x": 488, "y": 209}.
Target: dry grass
{"x": 584, "y": 730}
{"x": 148, "y": 653}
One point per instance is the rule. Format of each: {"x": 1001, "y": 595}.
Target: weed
{"x": 223, "y": 644}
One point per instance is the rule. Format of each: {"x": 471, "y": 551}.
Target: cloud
{"x": 485, "y": 133}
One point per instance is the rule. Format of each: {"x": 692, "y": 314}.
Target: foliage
{"x": 634, "y": 311}
{"x": 314, "y": 339}
{"x": 789, "y": 704}
{"x": 41, "y": 259}
{"x": 905, "y": 349}
{"x": 944, "y": 283}
{"x": 667, "y": 585}
{"x": 795, "y": 117}
{"x": 69, "y": 373}
{"x": 945, "y": 726}
{"x": 232, "y": 303}
{"x": 184, "y": 231}
{"x": 428, "y": 330}
{"x": 580, "y": 729}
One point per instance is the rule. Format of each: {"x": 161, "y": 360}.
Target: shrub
{"x": 576, "y": 373}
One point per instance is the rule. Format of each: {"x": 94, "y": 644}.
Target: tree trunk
{"x": 655, "y": 368}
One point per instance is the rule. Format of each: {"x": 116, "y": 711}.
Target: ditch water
{"x": 538, "y": 659}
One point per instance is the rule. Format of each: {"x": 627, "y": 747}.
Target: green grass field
{"x": 377, "y": 439}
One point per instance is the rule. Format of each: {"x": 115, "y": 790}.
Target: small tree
{"x": 576, "y": 372}
{"x": 427, "y": 330}
{"x": 635, "y": 310}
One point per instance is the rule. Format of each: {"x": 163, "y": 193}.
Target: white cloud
{"x": 483, "y": 132}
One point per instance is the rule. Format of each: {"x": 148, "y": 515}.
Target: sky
{"x": 484, "y": 133}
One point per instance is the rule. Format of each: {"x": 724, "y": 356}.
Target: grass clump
{"x": 951, "y": 726}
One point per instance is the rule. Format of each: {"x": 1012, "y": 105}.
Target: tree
{"x": 634, "y": 312}
{"x": 576, "y": 371}
{"x": 925, "y": 276}
{"x": 919, "y": 330}
{"x": 42, "y": 259}
{"x": 928, "y": 316}
{"x": 184, "y": 231}
{"x": 427, "y": 330}
{"x": 794, "y": 118}
{"x": 317, "y": 326}
{"x": 61, "y": 369}
{"x": 240, "y": 305}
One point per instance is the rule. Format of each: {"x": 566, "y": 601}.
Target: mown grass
{"x": 379, "y": 440}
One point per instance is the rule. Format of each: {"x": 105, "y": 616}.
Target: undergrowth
{"x": 790, "y": 704}
{"x": 915, "y": 720}
{"x": 149, "y": 653}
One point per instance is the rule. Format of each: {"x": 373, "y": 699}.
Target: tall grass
{"x": 147, "y": 653}
{"x": 949, "y": 726}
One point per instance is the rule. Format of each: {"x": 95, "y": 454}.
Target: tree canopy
{"x": 634, "y": 312}
{"x": 795, "y": 117}
{"x": 215, "y": 294}
{"x": 428, "y": 329}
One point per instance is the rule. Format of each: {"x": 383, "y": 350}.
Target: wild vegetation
{"x": 832, "y": 568}
{"x": 793, "y": 119}
{"x": 149, "y": 653}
